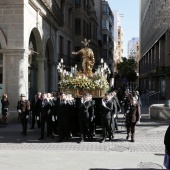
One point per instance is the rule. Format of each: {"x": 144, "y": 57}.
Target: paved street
{"x": 18, "y": 152}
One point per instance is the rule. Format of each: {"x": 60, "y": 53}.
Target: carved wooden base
{"x": 80, "y": 92}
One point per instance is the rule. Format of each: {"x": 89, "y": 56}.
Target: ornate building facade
{"x": 30, "y": 34}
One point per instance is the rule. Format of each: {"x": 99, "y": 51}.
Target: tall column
{"x": 15, "y": 76}
{"x": 4, "y": 89}
{"x": 41, "y": 74}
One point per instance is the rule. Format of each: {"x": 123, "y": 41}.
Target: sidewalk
{"x": 18, "y": 152}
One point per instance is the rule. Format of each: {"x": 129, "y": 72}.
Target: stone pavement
{"x": 147, "y": 152}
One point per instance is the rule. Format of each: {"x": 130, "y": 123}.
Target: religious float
{"x": 78, "y": 82}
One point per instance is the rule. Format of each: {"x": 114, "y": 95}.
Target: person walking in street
{"x": 131, "y": 117}
{"x": 5, "y": 108}
{"x": 23, "y": 108}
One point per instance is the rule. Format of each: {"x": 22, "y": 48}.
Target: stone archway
{"x": 36, "y": 64}
{"x": 49, "y": 67}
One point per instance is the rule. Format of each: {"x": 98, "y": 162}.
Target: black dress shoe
{"x": 81, "y": 141}
{"x": 60, "y": 140}
{"x": 41, "y": 138}
{"x": 103, "y": 140}
{"x": 132, "y": 140}
{"x": 111, "y": 137}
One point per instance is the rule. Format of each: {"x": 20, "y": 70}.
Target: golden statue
{"x": 87, "y": 56}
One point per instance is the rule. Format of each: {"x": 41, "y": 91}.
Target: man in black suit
{"x": 84, "y": 116}
{"x": 34, "y": 110}
{"x": 23, "y": 108}
{"x": 38, "y": 117}
{"x": 92, "y": 126}
{"x": 63, "y": 117}
{"x": 108, "y": 108}
{"x": 43, "y": 109}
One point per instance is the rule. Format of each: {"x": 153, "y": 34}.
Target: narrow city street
{"x": 18, "y": 152}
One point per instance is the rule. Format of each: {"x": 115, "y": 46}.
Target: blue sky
{"x": 130, "y": 21}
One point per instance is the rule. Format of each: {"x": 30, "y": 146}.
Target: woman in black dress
{"x": 5, "y": 107}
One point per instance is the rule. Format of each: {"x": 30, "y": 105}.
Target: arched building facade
{"x": 29, "y": 30}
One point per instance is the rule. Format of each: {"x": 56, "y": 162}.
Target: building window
{"x": 105, "y": 39}
{"x": 90, "y": 30}
{"x": 61, "y": 43}
{"x": 105, "y": 24}
{"x": 77, "y": 2}
{"x": 85, "y": 4}
{"x": 87, "y": 27}
{"x": 62, "y": 7}
{"x": 105, "y": 9}
{"x": 69, "y": 51}
{"x": 77, "y": 57}
{"x": 84, "y": 28}
{"x": 78, "y": 26}
{"x": 104, "y": 54}
{"x": 94, "y": 32}
{"x": 70, "y": 17}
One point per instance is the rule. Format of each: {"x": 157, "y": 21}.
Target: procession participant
{"x": 50, "y": 112}
{"x": 92, "y": 126}
{"x": 117, "y": 109}
{"x": 23, "y": 108}
{"x": 5, "y": 107}
{"x": 84, "y": 116}
{"x": 54, "y": 114}
{"x": 43, "y": 109}
{"x": 106, "y": 115}
{"x": 71, "y": 116}
{"x": 34, "y": 110}
{"x": 131, "y": 117}
{"x": 63, "y": 118}
{"x": 38, "y": 116}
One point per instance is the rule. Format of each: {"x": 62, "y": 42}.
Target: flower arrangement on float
{"x": 77, "y": 80}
